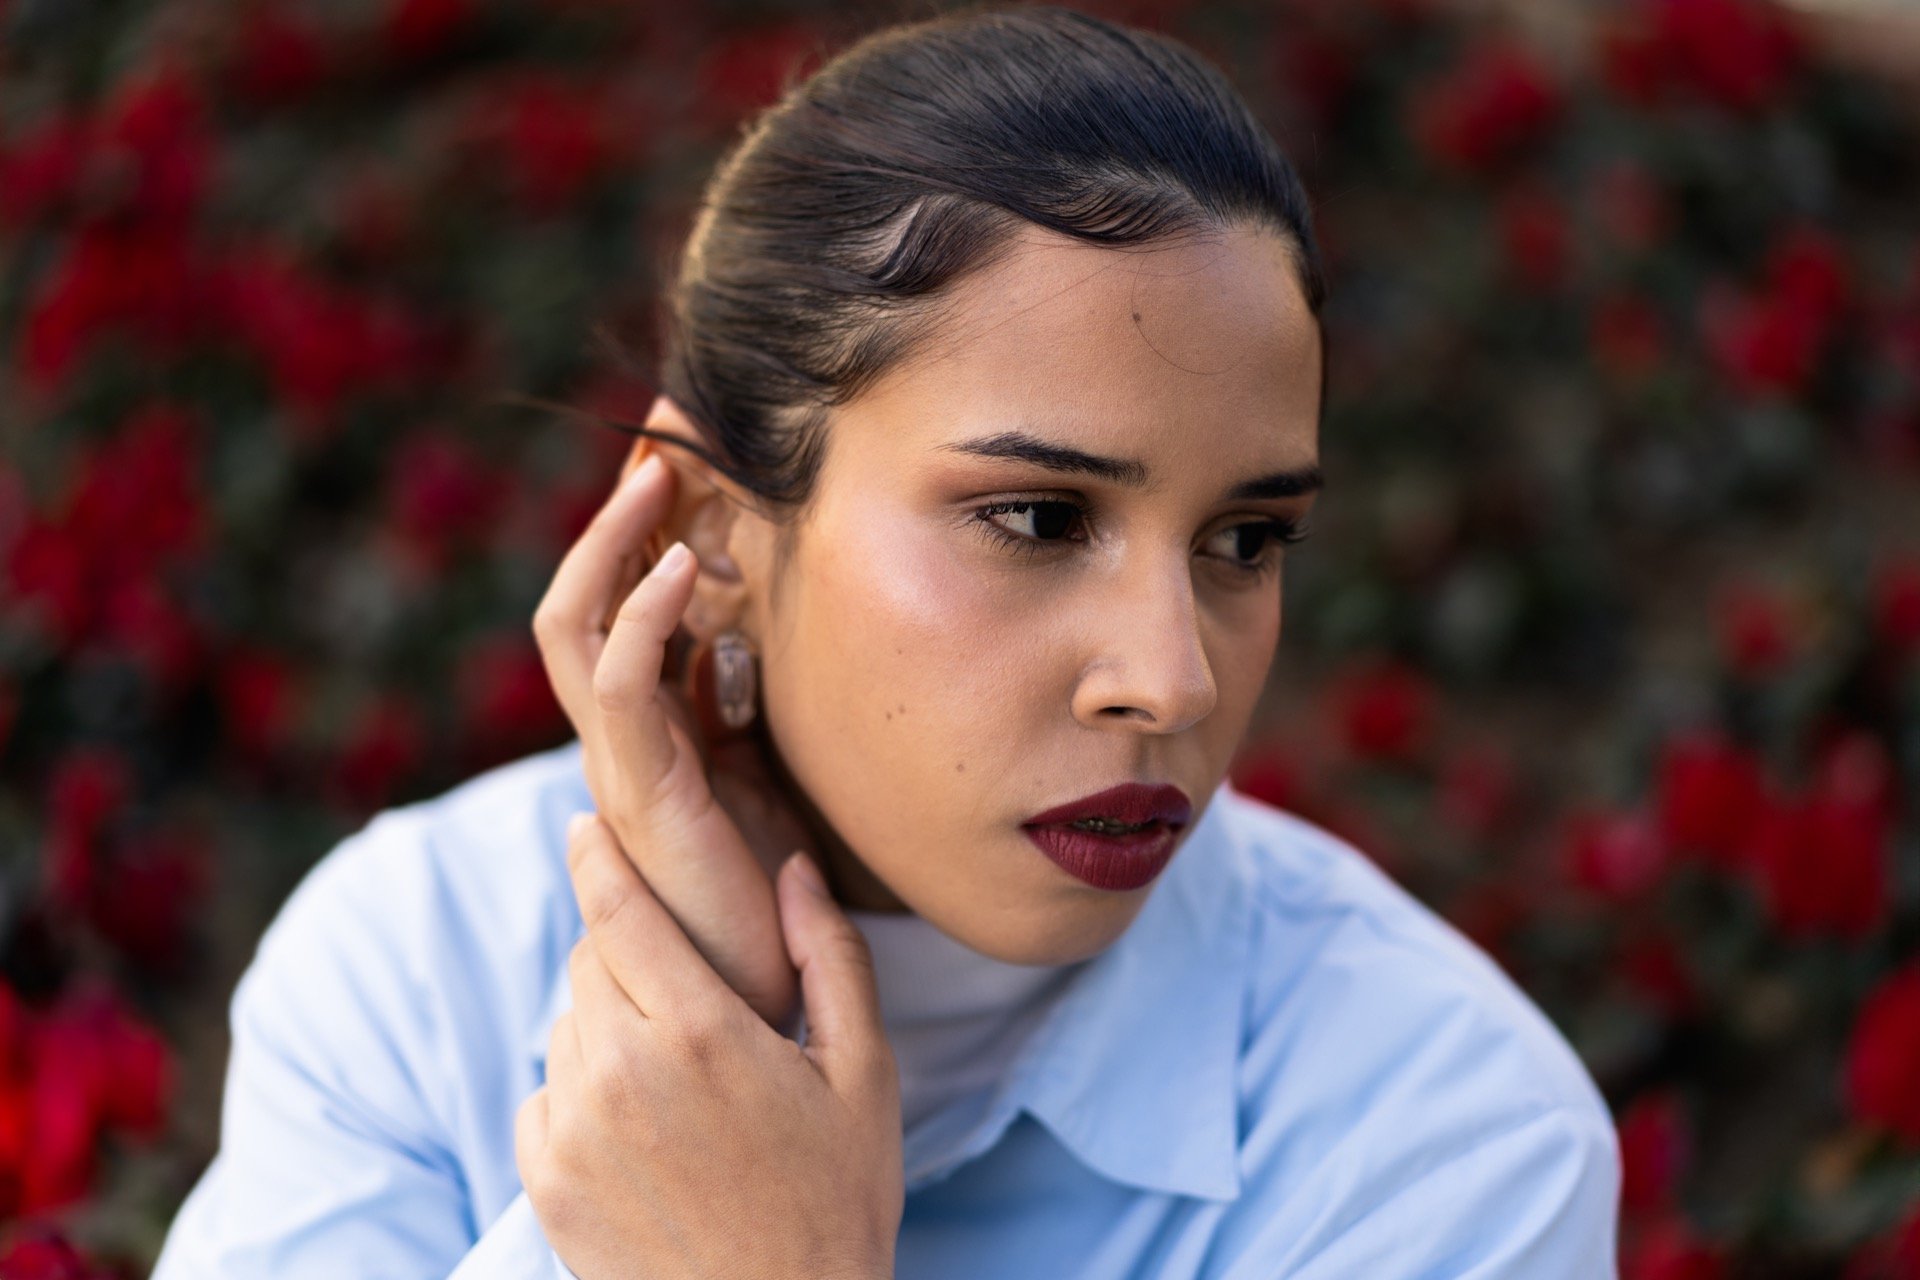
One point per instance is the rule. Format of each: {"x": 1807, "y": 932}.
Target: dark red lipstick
{"x": 1120, "y": 838}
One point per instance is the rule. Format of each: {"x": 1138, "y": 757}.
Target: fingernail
{"x": 809, "y": 874}
{"x": 577, "y": 823}
{"x": 675, "y": 557}
{"x": 641, "y": 476}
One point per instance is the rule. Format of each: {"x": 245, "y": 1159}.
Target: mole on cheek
{"x": 960, "y": 767}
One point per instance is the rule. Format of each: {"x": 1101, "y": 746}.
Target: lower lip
{"x": 1103, "y": 861}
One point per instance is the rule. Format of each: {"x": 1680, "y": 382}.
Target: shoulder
{"x": 1335, "y": 937}
{"x": 433, "y": 929}
{"x": 1386, "y": 1059}
{"x": 482, "y": 858}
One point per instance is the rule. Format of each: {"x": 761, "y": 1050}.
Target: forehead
{"x": 1174, "y": 351}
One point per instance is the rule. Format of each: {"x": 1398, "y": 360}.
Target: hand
{"x": 678, "y": 1134}
{"x": 647, "y": 764}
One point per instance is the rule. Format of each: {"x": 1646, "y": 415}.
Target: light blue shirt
{"x": 1286, "y": 1067}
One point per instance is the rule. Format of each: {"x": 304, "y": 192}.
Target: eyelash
{"x": 1282, "y": 532}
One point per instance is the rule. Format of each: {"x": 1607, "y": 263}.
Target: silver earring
{"x": 734, "y": 678}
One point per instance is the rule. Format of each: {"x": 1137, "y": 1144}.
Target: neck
{"x": 848, "y": 879}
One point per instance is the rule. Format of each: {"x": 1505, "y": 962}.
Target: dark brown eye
{"x": 1254, "y": 546}
{"x": 1034, "y": 522}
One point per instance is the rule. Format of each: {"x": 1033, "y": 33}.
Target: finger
{"x": 604, "y": 1013}
{"x": 640, "y": 942}
{"x": 570, "y": 620}
{"x": 530, "y": 1134}
{"x": 563, "y": 1054}
{"x": 642, "y": 743}
{"x": 845, "y": 1036}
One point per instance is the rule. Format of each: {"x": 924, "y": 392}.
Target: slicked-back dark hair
{"x": 831, "y": 229}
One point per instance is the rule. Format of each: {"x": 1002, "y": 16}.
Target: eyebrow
{"x": 1023, "y": 447}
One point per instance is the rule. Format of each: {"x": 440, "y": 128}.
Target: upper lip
{"x": 1130, "y": 802}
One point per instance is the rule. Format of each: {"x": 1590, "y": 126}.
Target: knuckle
{"x": 547, "y": 1189}
{"x": 617, "y": 1083}
{"x": 612, "y": 687}
{"x": 850, "y": 950}
{"x": 577, "y": 960}
{"x": 603, "y": 907}
{"x": 700, "y": 1039}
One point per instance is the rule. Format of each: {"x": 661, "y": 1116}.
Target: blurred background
{"x": 1607, "y": 642}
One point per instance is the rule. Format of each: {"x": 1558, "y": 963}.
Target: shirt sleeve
{"x": 1534, "y": 1201}
{"x": 331, "y": 1161}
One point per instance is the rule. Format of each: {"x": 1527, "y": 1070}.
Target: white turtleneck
{"x": 954, "y": 1016}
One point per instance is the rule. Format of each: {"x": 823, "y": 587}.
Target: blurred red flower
{"x": 37, "y": 1251}
{"x": 1672, "y": 1251}
{"x": 507, "y": 705}
{"x": 1656, "y": 969}
{"x": 1883, "y": 1057}
{"x": 1476, "y": 790}
{"x": 1821, "y": 860}
{"x": 1315, "y": 69}
{"x": 40, "y": 169}
{"x": 1707, "y": 792}
{"x": 382, "y": 747}
{"x": 419, "y": 29}
{"x": 1893, "y": 1256}
{"x": 260, "y": 697}
{"x": 1896, "y": 604}
{"x": 1268, "y": 773}
{"x": 1805, "y": 269}
{"x": 551, "y": 136}
{"x": 1628, "y": 336}
{"x": 1535, "y": 237}
{"x": 746, "y": 68}
{"x": 47, "y": 567}
{"x": 1656, "y": 1146}
{"x": 89, "y": 1067}
{"x": 137, "y": 500}
{"x": 146, "y": 624}
{"x": 279, "y": 56}
{"x": 1617, "y": 856}
{"x": 1761, "y": 343}
{"x": 1629, "y": 206}
{"x": 319, "y": 340}
{"x": 1384, "y": 708}
{"x": 1491, "y": 913}
{"x": 440, "y": 497}
{"x": 145, "y": 279}
{"x": 86, "y": 790}
{"x": 155, "y": 156}
{"x": 1759, "y": 636}
{"x": 1498, "y": 100}
{"x": 1741, "y": 54}
{"x": 146, "y": 895}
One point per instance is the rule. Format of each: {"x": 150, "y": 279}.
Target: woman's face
{"x": 936, "y": 669}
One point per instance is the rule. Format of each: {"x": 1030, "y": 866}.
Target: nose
{"x": 1150, "y": 672}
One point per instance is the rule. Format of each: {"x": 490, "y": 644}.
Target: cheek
{"x": 1243, "y": 656}
{"x": 905, "y": 659}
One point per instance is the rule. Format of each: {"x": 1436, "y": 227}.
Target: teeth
{"x": 1106, "y": 826}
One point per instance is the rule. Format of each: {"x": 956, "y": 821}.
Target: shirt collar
{"x": 1135, "y": 1068}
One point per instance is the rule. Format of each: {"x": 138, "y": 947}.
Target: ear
{"x": 710, "y": 514}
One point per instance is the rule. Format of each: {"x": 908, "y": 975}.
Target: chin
{"x": 1052, "y": 934}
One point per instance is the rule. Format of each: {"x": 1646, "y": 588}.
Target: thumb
{"x": 845, "y": 1037}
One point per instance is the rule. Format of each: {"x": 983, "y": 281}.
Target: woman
{"x": 992, "y": 390}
